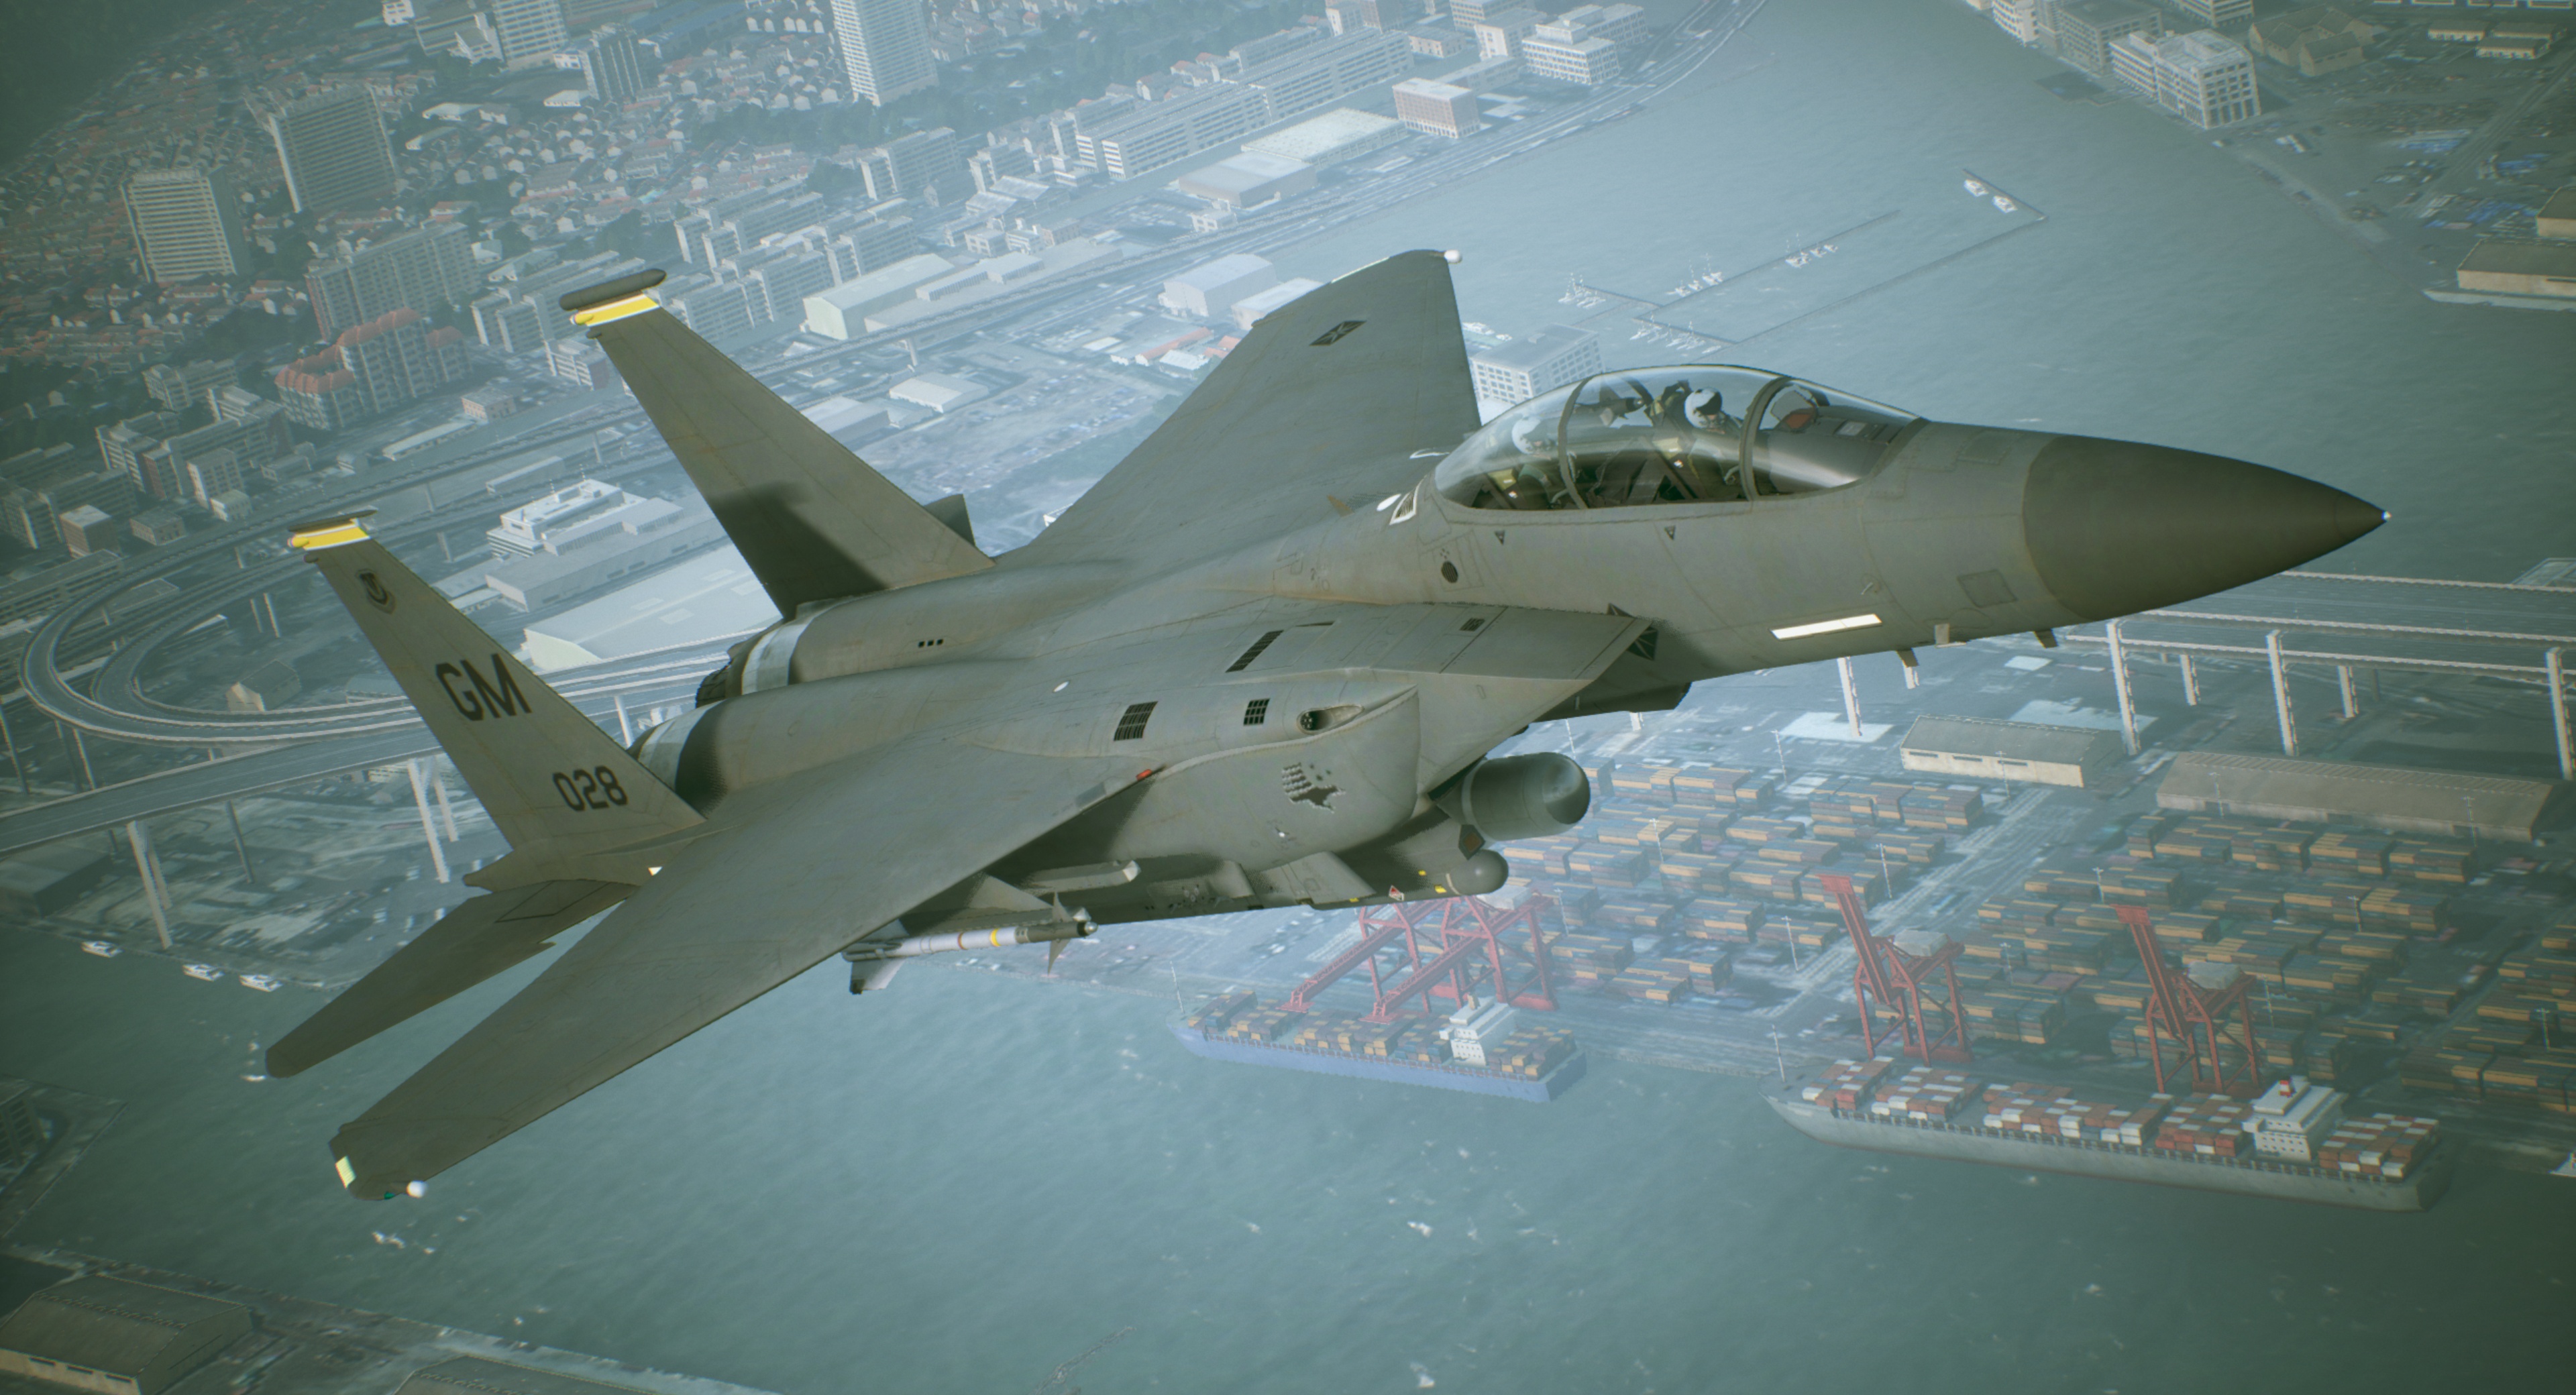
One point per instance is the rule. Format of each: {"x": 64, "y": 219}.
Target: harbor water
{"x": 960, "y": 1183}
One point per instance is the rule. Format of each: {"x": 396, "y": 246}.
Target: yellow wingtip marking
{"x": 334, "y": 535}
{"x": 348, "y": 1174}
{"x": 635, "y": 304}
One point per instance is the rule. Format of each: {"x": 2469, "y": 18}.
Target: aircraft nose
{"x": 2115, "y": 527}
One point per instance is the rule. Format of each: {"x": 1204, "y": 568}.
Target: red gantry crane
{"x": 2195, "y": 1018}
{"x": 1895, "y": 980}
{"x": 1446, "y": 944}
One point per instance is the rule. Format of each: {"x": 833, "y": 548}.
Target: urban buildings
{"x": 2316, "y": 41}
{"x": 520, "y": 315}
{"x": 2205, "y": 77}
{"x": 616, "y": 65}
{"x": 1248, "y": 311}
{"x": 2217, "y": 14}
{"x": 38, "y": 487}
{"x": 2019, "y": 18}
{"x": 1337, "y": 135}
{"x": 333, "y": 149}
{"x": 885, "y": 47}
{"x": 529, "y": 31}
{"x": 841, "y": 312}
{"x": 921, "y": 164}
{"x": 371, "y": 368}
{"x": 1207, "y": 291}
{"x": 1584, "y": 45}
{"x": 1524, "y": 368}
{"x": 1271, "y": 80}
{"x": 1249, "y": 180}
{"x": 186, "y": 223}
{"x": 1437, "y": 108}
{"x": 2086, "y": 30}
{"x": 586, "y": 535}
{"x": 417, "y": 270}
{"x": 1500, "y": 32}
{"x": 177, "y": 388}
{"x": 248, "y": 431}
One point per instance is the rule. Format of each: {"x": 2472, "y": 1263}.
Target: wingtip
{"x": 606, "y": 291}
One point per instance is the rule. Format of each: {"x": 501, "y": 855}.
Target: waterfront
{"x": 962, "y": 1182}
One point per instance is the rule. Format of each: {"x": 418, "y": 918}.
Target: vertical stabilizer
{"x": 571, "y": 801}
{"x": 811, "y": 518}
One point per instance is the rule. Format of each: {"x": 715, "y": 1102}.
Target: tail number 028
{"x": 596, "y": 788}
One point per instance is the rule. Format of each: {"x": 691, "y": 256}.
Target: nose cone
{"x": 2115, "y": 527}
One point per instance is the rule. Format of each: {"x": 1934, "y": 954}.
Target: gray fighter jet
{"x": 1259, "y": 664}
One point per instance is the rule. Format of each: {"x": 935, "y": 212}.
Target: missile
{"x": 914, "y": 946}
{"x": 873, "y": 962}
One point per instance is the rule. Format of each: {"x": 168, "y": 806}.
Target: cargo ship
{"x": 1481, "y": 1048}
{"x": 2293, "y": 1143}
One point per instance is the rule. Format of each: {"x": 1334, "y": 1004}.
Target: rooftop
{"x": 2031, "y": 741}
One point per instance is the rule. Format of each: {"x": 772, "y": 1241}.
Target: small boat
{"x": 262, "y": 982}
{"x": 2565, "y": 1169}
{"x": 204, "y": 973}
{"x": 101, "y": 948}
{"x": 1977, "y": 188}
{"x": 2005, "y": 205}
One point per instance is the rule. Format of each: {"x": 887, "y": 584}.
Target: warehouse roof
{"x": 706, "y": 597}
{"x": 472, "y": 1375}
{"x": 2032, "y": 741}
{"x": 1335, "y": 135}
{"x": 2521, "y": 258}
{"x": 118, "y": 1327}
{"x": 2387, "y": 796}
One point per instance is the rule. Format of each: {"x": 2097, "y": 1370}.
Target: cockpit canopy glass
{"x": 1669, "y": 436}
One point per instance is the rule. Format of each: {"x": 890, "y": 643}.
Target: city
{"x": 278, "y": 263}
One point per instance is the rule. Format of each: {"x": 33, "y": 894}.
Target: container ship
{"x": 2294, "y": 1141}
{"x": 1480, "y": 1048}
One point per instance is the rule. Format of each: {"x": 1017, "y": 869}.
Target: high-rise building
{"x": 186, "y": 223}
{"x": 1583, "y": 46}
{"x": 1524, "y": 368}
{"x": 414, "y": 270}
{"x": 530, "y": 32}
{"x": 1438, "y": 108}
{"x": 121, "y": 446}
{"x": 371, "y": 368}
{"x": 616, "y": 64}
{"x": 885, "y": 47}
{"x": 2204, "y": 77}
{"x": 332, "y": 146}
{"x": 2086, "y": 29}
{"x": 2019, "y": 18}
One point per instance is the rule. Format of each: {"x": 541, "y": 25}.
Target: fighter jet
{"x": 1262, "y": 663}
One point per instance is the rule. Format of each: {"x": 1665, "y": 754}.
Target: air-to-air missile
{"x": 1260, "y": 664}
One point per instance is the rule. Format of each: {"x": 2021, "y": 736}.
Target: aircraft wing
{"x": 1329, "y": 395}
{"x": 752, "y": 903}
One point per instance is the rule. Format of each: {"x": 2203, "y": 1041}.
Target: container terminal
{"x": 1975, "y": 875}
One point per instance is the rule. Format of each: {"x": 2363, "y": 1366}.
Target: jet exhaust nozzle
{"x": 1532, "y": 796}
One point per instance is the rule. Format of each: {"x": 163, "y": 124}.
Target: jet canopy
{"x": 1670, "y": 436}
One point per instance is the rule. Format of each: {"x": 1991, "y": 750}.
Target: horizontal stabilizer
{"x": 475, "y": 941}
{"x": 812, "y": 520}
{"x": 560, "y": 789}
{"x": 792, "y": 873}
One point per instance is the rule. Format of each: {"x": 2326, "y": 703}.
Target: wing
{"x": 790, "y": 876}
{"x": 1329, "y": 395}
